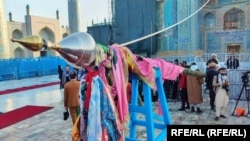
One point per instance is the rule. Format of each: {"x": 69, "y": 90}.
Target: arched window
{"x": 17, "y": 34}
{"x": 234, "y": 19}
{"x": 209, "y": 19}
{"x": 65, "y": 35}
{"x": 47, "y": 34}
{"x": 18, "y": 53}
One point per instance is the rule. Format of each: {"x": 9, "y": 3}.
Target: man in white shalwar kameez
{"x": 221, "y": 85}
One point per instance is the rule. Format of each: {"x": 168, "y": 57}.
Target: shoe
{"x": 181, "y": 109}
{"x": 192, "y": 109}
{"x": 188, "y": 107}
{"x": 223, "y": 116}
{"x": 216, "y": 118}
{"x": 199, "y": 111}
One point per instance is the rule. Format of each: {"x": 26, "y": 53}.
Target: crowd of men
{"x": 188, "y": 89}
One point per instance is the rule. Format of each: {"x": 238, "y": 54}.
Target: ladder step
{"x": 137, "y": 109}
{"x": 130, "y": 139}
{"x": 144, "y": 123}
{"x": 151, "y": 120}
{"x": 157, "y": 117}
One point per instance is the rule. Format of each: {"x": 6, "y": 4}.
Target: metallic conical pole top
{"x": 78, "y": 49}
{"x": 33, "y": 43}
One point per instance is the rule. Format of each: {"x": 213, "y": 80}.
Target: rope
{"x": 160, "y": 31}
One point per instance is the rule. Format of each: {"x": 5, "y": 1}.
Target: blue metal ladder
{"x": 147, "y": 109}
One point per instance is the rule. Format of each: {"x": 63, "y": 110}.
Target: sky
{"x": 96, "y": 10}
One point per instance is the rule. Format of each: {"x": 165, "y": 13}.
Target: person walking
{"x": 60, "y": 75}
{"x": 71, "y": 96}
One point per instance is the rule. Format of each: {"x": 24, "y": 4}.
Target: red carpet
{"x": 8, "y": 91}
{"x": 17, "y": 115}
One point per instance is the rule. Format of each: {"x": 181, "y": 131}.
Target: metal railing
{"x": 31, "y": 67}
{"x": 235, "y": 75}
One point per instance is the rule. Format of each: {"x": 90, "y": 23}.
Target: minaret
{"x": 57, "y": 14}
{"x": 74, "y": 16}
{"x": 28, "y": 20}
{"x": 10, "y": 16}
{"x": 4, "y": 43}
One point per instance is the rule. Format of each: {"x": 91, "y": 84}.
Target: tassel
{"x": 190, "y": 72}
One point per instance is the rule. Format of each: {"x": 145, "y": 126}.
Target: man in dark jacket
{"x": 211, "y": 72}
{"x": 60, "y": 75}
{"x": 232, "y": 63}
{"x": 213, "y": 59}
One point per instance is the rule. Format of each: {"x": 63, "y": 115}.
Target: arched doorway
{"x": 47, "y": 34}
{"x": 19, "y": 53}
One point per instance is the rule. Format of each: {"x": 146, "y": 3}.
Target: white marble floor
{"x": 40, "y": 96}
